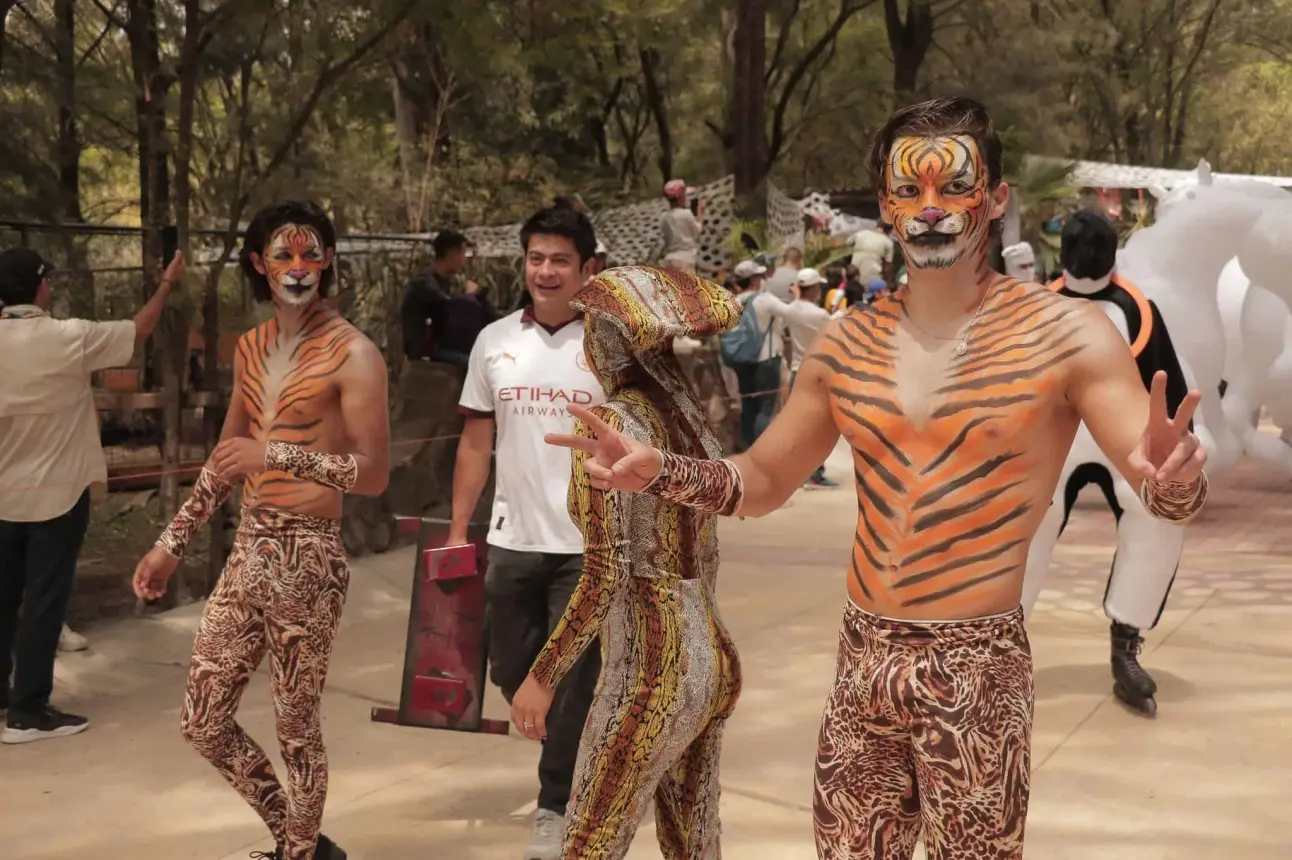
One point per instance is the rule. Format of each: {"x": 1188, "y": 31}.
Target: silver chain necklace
{"x": 963, "y": 346}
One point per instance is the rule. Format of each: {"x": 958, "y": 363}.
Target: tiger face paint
{"x": 294, "y": 264}
{"x": 937, "y": 199}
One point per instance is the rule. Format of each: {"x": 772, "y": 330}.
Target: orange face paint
{"x": 936, "y": 197}
{"x": 294, "y": 264}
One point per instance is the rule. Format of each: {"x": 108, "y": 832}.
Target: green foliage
{"x": 479, "y": 113}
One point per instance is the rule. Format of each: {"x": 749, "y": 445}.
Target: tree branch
{"x": 329, "y": 76}
{"x": 111, "y": 15}
{"x": 40, "y": 28}
{"x": 94, "y": 46}
{"x": 846, "y": 11}
{"x": 773, "y": 73}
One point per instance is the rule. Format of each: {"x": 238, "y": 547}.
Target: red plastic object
{"x": 445, "y": 657}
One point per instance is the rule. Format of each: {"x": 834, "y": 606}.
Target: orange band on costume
{"x": 1141, "y": 302}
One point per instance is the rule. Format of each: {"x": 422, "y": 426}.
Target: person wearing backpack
{"x": 753, "y": 349}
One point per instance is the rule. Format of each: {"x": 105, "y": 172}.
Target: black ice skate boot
{"x": 326, "y": 849}
{"x": 1131, "y": 683}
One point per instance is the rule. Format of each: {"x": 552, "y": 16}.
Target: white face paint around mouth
{"x": 294, "y": 264}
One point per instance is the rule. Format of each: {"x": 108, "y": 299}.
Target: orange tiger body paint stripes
{"x": 947, "y": 483}
{"x": 289, "y": 390}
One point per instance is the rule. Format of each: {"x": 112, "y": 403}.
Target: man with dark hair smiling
{"x": 307, "y": 423}
{"x": 960, "y": 395}
{"x": 526, "y": 369}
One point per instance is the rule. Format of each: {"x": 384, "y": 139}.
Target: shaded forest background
{"x": 409, "y": 115}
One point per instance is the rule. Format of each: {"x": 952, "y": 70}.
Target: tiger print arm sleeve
{"x": 340, "y": 472}
{"x": 605, "y": 566}
{"x": 711, "y": 486}
{"x": 208, "y": 494}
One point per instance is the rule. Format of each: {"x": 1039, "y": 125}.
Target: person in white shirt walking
{"x": 805, "y": 318}
{"x": 524, "y": 371}
{"x": 872, "y": 254}
{"x": 681, "y": 228}
{"x": 781, "y": 279}
{"x": 50, "y": 457}
{"x": 758, "y": 357}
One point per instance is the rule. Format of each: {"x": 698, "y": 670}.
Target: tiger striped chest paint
{"x": 289, "y": 390}
{"x": 948, "y": 475}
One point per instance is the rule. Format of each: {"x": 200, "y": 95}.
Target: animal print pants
{"x": 282, "y": 592}
{"x": 928, "y": 730}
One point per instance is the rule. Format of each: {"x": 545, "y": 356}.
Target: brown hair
{"x": 936, "y": 118}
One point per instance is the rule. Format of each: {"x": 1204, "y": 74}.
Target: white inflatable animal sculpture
{"x": 1177, "y": 262}
{"x": 1257, "y": 315}
{"x": 1253, "y": 223}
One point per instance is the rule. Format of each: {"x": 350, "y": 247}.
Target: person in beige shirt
{"x": 50, "y": 457}
{"x": 681, "y": 228}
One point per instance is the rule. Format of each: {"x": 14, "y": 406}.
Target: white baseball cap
{"x": 748, "y": 269}
{"x": 810, "y": 278}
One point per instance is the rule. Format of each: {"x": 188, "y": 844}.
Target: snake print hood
{"x": 631, "y": 316}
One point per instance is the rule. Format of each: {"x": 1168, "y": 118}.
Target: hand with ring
{"x": 529, "y": 709}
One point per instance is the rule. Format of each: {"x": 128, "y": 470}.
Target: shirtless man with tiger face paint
{"x": 960, "y": 395}
{"x": 307, "y": 422}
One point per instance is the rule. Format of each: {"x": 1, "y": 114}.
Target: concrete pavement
{"x": 1209, "y": 778}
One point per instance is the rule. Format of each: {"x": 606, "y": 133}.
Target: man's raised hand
{"x": 1168, "y": 451}
{"x": 614, "y": 461}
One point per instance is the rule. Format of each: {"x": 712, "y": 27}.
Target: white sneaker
{"x": 70, "y": 640}
{"x": 548, "y": 834}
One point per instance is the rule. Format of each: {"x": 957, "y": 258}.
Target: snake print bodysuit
{"x": 670, "y": 675}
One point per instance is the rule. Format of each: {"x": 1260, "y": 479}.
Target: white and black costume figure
{"x": 1148, "y": 549}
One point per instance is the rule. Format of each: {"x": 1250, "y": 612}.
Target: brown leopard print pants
{"x": 928, "y": 731}
{"x": 282, "y": 592}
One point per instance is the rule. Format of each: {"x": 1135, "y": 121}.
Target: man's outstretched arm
{"x": 752, "y": 484}
{"x": 1153, "y": 450}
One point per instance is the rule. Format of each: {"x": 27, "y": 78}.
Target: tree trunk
{"x": 169, "y": 341}
{"x": 749, "y": 107}
{"x": 406, "y": 139}
{"x": 910, "y": 41}
{"x": 67, "y": 154}
{"x": 653, "y": 93}
{"x": 69, "y": 146}
{"x": 5, "y": 6}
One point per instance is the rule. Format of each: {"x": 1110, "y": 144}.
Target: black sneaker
{"x": 49, "y": 722}
{"x": 276, "y": 854}
{"x": 326, "y": 849}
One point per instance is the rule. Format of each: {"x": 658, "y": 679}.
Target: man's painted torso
{"x": 290, "y": 393}
{"x": 956, "y": 456}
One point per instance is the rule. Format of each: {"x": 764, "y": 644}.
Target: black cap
{"x": 21, "y": 271}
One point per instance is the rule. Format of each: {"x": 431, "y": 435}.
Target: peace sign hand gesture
{"x": 615, "y": 461}
{"x": 1168, "y": 451}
